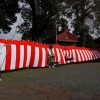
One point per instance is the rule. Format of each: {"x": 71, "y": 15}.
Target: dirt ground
{"x": 65, "y": 82}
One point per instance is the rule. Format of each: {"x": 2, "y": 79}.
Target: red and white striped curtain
{"x": 23, "y": 54}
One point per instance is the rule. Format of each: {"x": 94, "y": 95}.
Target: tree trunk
{"x": 33, "y": 4}
{"x": 34, "y": 21}
{"x": 82, "y": 39}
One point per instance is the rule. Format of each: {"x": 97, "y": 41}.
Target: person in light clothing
{"x": 1, "y": 52}
{"x": 51, "y": 57}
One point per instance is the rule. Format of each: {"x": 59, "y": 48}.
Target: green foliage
{"x": 81, "y": 11}
{"x": 89, "y": 43}
{"x": 43, "y": 23}
{"x": 8, "y": 9}
{"x": 42, "y": 17}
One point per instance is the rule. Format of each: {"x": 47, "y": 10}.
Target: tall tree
{"x": 44, "y": 14}
{"x": 95, "y": 27}
{"x": 81, "y": 11}
{"x": 8, "y": 9}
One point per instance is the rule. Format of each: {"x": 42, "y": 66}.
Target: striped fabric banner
{"x": 23, "y": 54}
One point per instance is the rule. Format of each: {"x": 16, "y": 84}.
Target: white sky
{"x": 11, "y": 33}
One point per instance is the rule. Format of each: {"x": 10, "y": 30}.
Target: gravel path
{"x": 65, "y": 82}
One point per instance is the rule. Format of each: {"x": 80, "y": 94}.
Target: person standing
{"x": 51, "y": 57}
{"x": 1, "y": 46}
